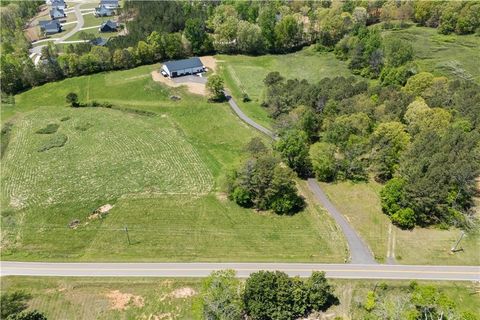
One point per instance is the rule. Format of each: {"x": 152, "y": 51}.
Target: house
{"x": 60, "y": 4}
{"x": 50, "y": 27}
{"x": 110, "y": 4}
{"x": 98, "y": 42}
{"x": 108, "y": 26}
{"x": 103, "y": 11}
{"x": 57, "y": 13}
{"x": 182, "y": 67}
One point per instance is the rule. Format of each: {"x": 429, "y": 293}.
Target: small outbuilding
{"x": 109, "y": 26}
{"x": 50, "y": 27}
{"x": 183, "y": 67}
{"x": 57, "y": 13}
{"x": 103, "y": 11}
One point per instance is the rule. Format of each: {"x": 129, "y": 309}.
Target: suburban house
{"x": 103, "y": 11}
{"x": 57, "y": 13}
{"x": 110, "y": 4}
{"x": 50, "y": 27}
{"x": 60, "y": 4}
{"x": 98, "y": 42}
{"x": 109, "y": 26}
{"x": 178, "y": 68}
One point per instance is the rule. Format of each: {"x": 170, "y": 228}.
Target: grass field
{"x": 360, "y": 203}
{"x": 163, "y": 173}
{"x": 246, "y": 73}
{"x": 449, "y": 55}
{"x": 94, "y": 298}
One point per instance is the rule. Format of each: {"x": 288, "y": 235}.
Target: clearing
{"x": 360, "y": 204}
{"x": 246, "y": 74}
{"x": 160, "y": 162}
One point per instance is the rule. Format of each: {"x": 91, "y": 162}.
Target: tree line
{"x": 421, "y": 140}
{"x": 264, "y": 295}
{"x": 160, "y": 30}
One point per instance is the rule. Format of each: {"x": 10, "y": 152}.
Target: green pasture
{"x": 161, "y": 163}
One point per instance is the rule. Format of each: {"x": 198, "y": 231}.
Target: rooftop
{"x": 184, "y": 64}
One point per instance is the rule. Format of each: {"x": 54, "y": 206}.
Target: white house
{"x": 183, "y": 67}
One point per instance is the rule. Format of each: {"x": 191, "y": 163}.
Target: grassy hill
{"x": 246, "y": 74}
{"x": 160, "y": 162}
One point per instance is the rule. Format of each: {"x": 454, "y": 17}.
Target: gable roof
{"x": 98, "y": 41}
{"x": 49, "y": 25}
{"x": 109, "y": 2}
{"x": 183, "y": 64}
{"x": 103, "y": 9}
{"x": 111, "y": 24}
{"x": 57, "y": 12}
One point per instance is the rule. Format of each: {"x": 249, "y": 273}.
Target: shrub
{"x": 392, "y": 196}
{"x": 242, "y": 197}
{"x": 72, "y": 99}
{"x": 49, "y": 129}
{"x": 404, "y": 218}
{"x": 57, "y": 141}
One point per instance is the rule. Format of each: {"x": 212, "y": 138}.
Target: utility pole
{"x": 454, "y": 248}
{"x": 128, "y": 237}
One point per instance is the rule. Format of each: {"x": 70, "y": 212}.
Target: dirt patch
{"x": 209, "y": 62}
{"x": 74, "y": 224}
{"x": 193, "y": 87}
{"x": 161, "y": 316}
{"x": 32, "y": 32}
{"x": 183, "y": 293}
{"x": 122, "y": 301}
{"x": 100, "y": 212}
{"x": 222, "y": 196}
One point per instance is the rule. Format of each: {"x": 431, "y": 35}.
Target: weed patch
{"x": 57, "y": 141}
{"x": 49, "y": 129}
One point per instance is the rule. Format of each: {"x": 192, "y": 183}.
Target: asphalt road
{"x": 246, "y": 119}
{"x": 344, "y": 271}
{"x": 359, "y": 251}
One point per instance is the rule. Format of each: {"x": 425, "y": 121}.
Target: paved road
{"x": 344, "y": 271}
{"x": 359, "y": 251}
{"x": 246, "y": 119}
{"x": 37, "y": 50}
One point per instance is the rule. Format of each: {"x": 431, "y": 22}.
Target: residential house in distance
{"x": 110, "y": 4}
{"x": 103, "y": 11}
{"x": 109, "y": 26}
{"x": 57, "y": 13}
{"x": 98, "y": 42}
{"x": 182, "y": 67}
{"x": 60, "y": 4}
{"x": 50, "y": 27}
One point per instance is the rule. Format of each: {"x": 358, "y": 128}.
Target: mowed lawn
{"x": 151, "y": 298}
{"x": 246, "y": 74}
{"x": 360, "y": 204}
{"x": 163, "y": 172}
{"x": 449, "y": 55}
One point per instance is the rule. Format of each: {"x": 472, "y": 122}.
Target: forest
{"x": 173, "y": 29}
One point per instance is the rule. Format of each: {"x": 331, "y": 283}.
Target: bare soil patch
{"x": 183, "y": 293}
{"x": 210, "y": 62}
{"x": 193, "y": 87}
{"x": 122, "y": 301}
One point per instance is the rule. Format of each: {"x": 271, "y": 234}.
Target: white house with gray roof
{"x": 183, "y": 67}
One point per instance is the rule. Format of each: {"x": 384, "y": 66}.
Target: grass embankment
{"x": 360, "y": 203}
{"x": 246, "y": 74}
{"x": 93, "y": 298}
{"x": 163, "y": 173}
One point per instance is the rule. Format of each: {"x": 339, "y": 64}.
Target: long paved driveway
{"x": 344, "y": 271}
{"x": 359, "y": 251}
